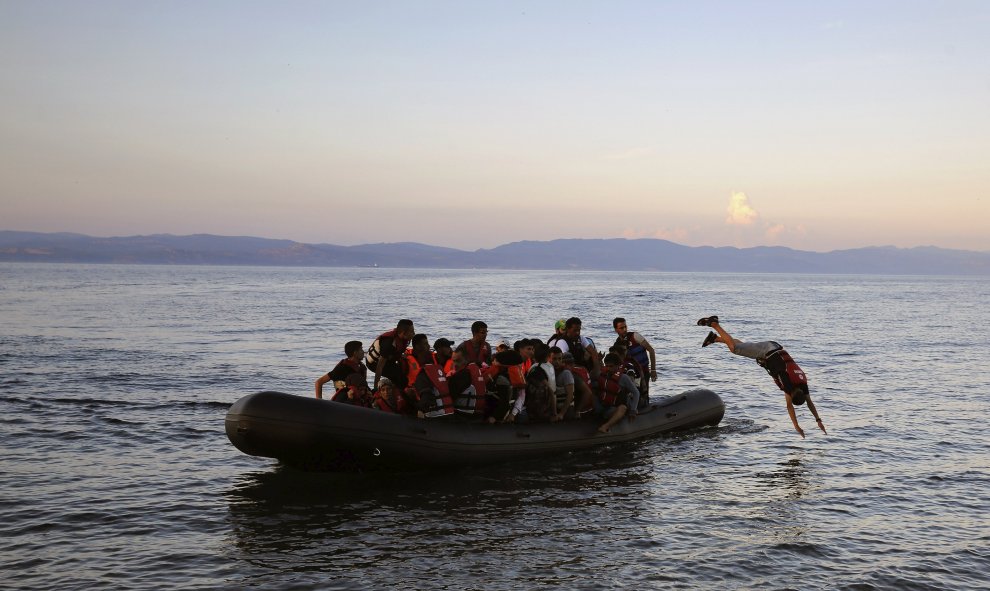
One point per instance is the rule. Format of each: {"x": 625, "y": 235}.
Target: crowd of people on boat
{"x": 533, "y": 380}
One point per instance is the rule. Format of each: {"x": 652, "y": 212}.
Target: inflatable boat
{"x": 315, "y": 434}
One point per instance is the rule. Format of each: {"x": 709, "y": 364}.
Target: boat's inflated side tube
{"x": 324, "y": 435}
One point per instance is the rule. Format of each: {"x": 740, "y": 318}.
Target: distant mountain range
{"x": 576, "y": 254}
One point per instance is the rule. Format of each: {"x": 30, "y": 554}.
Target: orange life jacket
{"x": 517, "y": 376}
{"x": 448, "y": 366}
{"x": 412, "y": 367}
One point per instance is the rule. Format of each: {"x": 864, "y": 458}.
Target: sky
{"x": 812, "y": 125}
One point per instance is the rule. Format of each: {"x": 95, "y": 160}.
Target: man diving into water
{"x": 778, "y": 363}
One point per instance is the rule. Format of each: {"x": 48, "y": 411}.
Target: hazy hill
{"x": 584, "y": 254}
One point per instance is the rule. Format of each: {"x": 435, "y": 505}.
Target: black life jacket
{"x": 576, "y": 349}
{"x": 375, "y": 350}
{"x": 633, "y": 369}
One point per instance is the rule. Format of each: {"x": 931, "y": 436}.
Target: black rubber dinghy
{"x": 322, "y": 435}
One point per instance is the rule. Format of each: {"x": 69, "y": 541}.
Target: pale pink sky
{"x": 469, "y": 125}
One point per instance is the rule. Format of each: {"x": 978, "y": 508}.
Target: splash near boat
{"x": 322, "y": 435}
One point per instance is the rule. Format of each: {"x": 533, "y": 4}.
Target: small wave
{"x": 742, "y": 426}
{"x": 279, "y": 330}
{"x": 116, "y": 421}
{"x": 115, "y": 377}
{"x": 198, "y": 432}
{"x": 106, "y": 402}
{"x": 191, "y": 404}
{"x": 813, "y": 550}
{"x": 14, "y": 421}
{"x": 60, "y": 435}
{"x": 90, "y": 401}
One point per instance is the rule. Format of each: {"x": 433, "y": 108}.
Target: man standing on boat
{"x": 639, "y": 349}
{"x": 778, "y": 363}
{"x": 385, "y": 354}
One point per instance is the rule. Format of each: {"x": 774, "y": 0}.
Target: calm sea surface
{"x": 116, "y": 472}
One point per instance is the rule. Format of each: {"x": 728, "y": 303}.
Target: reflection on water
{"x": 791, "y": 477}
{"x": 787, "y": 518}
{"x": 498, "y": 515}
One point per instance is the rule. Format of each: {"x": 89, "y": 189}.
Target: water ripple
{"x": 116, "y": 471}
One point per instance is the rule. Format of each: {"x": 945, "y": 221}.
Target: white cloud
{"x": 778, "y": 233}
{"x": 740, "y": 212}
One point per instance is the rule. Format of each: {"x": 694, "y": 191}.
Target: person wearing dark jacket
{"x": 354, "y": 352}
{"x": 772, "y": 357}
{"x": 618, "y": 395}
{"x": 385, "y": 355}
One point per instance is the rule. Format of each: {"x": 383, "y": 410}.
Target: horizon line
{"x": 874, "y": 246}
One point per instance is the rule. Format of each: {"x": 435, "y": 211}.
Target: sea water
{"x": 116, "y": 471}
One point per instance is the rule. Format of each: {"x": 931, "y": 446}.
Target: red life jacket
{"x": 608, "y": 387}
{"x": 479, "y": 355}
{"x": 399, "y": 407}
{"x": 473, "y": 399}
{"x": 343, "y": 395}
{"x": 581, "y": 372}
{"x": 443, "y": 404}
{"x": 792, "y": 376}
{"x": 340, "y": 395}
